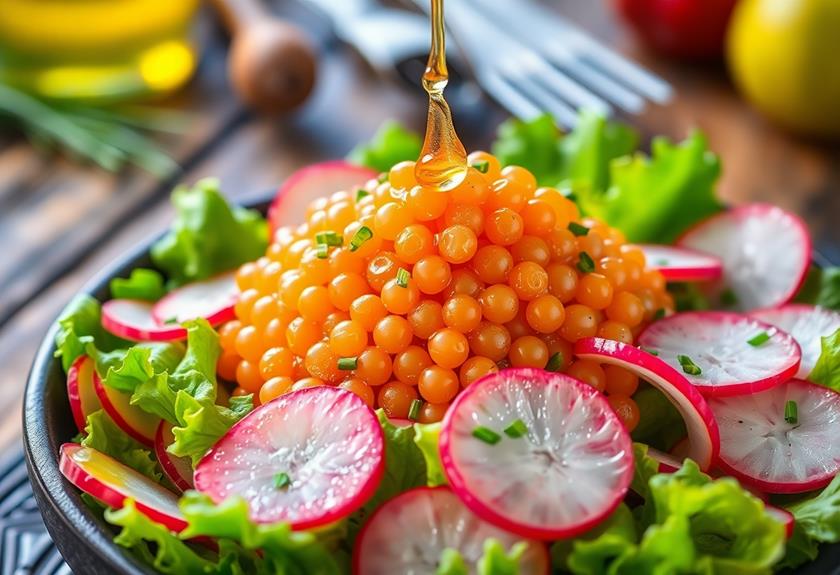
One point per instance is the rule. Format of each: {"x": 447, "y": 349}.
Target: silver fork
{"x": 569, "y": 48}
{"x": 526, "y": 80}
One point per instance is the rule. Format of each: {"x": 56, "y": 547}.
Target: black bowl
{"x": 85, "y": 541}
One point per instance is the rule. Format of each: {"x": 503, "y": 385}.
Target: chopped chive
{"x": 649, "y": 350}
{"x": 481, "y": 166}
{"x": 791, "y": 412}
{"x": 577, "y": 229}
{"x": 660, "y": 314}
{"x": 171, "y": 320}
{"x": 688, "y": 366}
{"x": 486, "y": 435}
{"x": 361, "y": 193}
{"x": 362, "y": 235}
{"x": 585, "y": 263}
{"x": 282, "y": 480}
{"x": 322, "y": 251}
{"x": 402, "y": 277}
{"x": 382, "y": 178}
{"x": 414, "y": 409}
{"x": 759, "y": 339}
{"x": 329, "y": 238}
{"x": 347, "y": 363}
{"x": 728, "y": 298}
{"x": 661, "y": 262}
{"x": 516, "y": 429}
{"x": 555, "y": 362}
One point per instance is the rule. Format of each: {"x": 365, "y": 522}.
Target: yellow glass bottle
{"x": 99, "y": 50}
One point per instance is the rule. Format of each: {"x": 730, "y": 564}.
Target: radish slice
{"x": 681, "y": 264}
{"x": 81, "y": 391}
{"x": 714, "y": 351}
{"x": 703, "y": 438}
{"x": 137, "y": 423}
{"x": 132, "y": 319}
{"x": 313, "y": 182}
{"x": 307, "y": 458}
{"x": 570, "y": 469}
{"x": 807, "y": 324}
{"x": 765, "y": 252}
{"x": 432, "y": 519}
{"x": 213, "y": 299}
{"x": 111, "y": 482}
{"x": 761, "y": 448}
{"x": 177, "y": 469}
{"x": 783, "y": 516}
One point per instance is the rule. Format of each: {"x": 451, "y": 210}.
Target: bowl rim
{"x": 42, "y": 460}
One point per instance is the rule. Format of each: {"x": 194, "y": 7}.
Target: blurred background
{"x": 106, "y": 104}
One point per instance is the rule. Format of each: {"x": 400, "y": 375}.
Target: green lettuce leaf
{"x": 202, "y": 423}
{"x": 594, "y": 552}
{"x": 660, "y": 424}
{"x": 495, "y": 560}
{"x": 105, "y": 436}
{"x": 283, "y": 550}
{"x": 208, "y": 236}
{"x": 405, "y": 468}
{"x": 817, "y": 521}
{"x": 170, "y": 555}
{"x": 728, "y": 525}
{"x": 143, "y": 284}
{"x": 655, "y": 199}
{"x": 645, "y": 468}
{"x": 391, "y": 144}
{"x": 827, "y": 369}
{"x": 79, "y": 325}
{"x": 822, "y": 287}
{"x": 533, "y": 144}
{"x": 426, "y": 438}
{"x": 127, "y": 369}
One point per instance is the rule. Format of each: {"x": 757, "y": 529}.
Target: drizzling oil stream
{"x": 443, "y": 160}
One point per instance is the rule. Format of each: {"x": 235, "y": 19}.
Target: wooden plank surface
{"x": 66, "y": 223}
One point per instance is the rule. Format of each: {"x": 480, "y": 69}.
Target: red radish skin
{"x": 783, "y": 516}
{"x": 765, "y": 251}
{"x": 766, "y": 452}
{"x": 599, "y": 456}
{"x": 134, "y": 421}
{"x": 212, "y": 299}
{"x": 717, "y": 343}
{"x": 326, "y": 439}
{"x": 432, "y": 519}
{"x": 111, "y": 482}
{"x": 703, "y": 434}
{"x": 81, "y": 391}
{"x": 313, "y": 182}
{"x": 132, "y": 320}
{"x": 807, "y": 324}
{"x": 682, "y": 264}
{"x": 177, "y": 469}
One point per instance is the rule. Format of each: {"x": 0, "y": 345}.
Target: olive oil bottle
{"x": 96, "y": 50}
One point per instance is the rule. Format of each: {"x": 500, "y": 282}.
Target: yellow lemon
{"x": 785, "y": 59}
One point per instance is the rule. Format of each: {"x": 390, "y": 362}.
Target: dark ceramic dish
{"x": 85, "y": 541}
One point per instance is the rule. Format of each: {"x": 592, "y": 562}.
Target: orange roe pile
{"x": 405, "y": 295}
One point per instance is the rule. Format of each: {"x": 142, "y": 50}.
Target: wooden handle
{"x": 271, "y": 63}
{"x": 237, "y": 14}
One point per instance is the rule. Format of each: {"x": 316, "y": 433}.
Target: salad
{"x": 576, "y": 361}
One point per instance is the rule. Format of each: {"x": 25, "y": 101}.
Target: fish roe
{"x": 407, "y": 295}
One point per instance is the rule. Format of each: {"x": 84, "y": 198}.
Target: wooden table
{"x": 60, "y": 223}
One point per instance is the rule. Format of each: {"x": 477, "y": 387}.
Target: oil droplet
{"x": 443, "y": 161}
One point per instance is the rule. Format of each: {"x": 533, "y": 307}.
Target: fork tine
{"x": 567, "y": 88}
{"x": 563, "y": 114}
{"x": 631, "y": 74}
{"x": 601, "y": 84}
{"x": 508, "y": 97}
